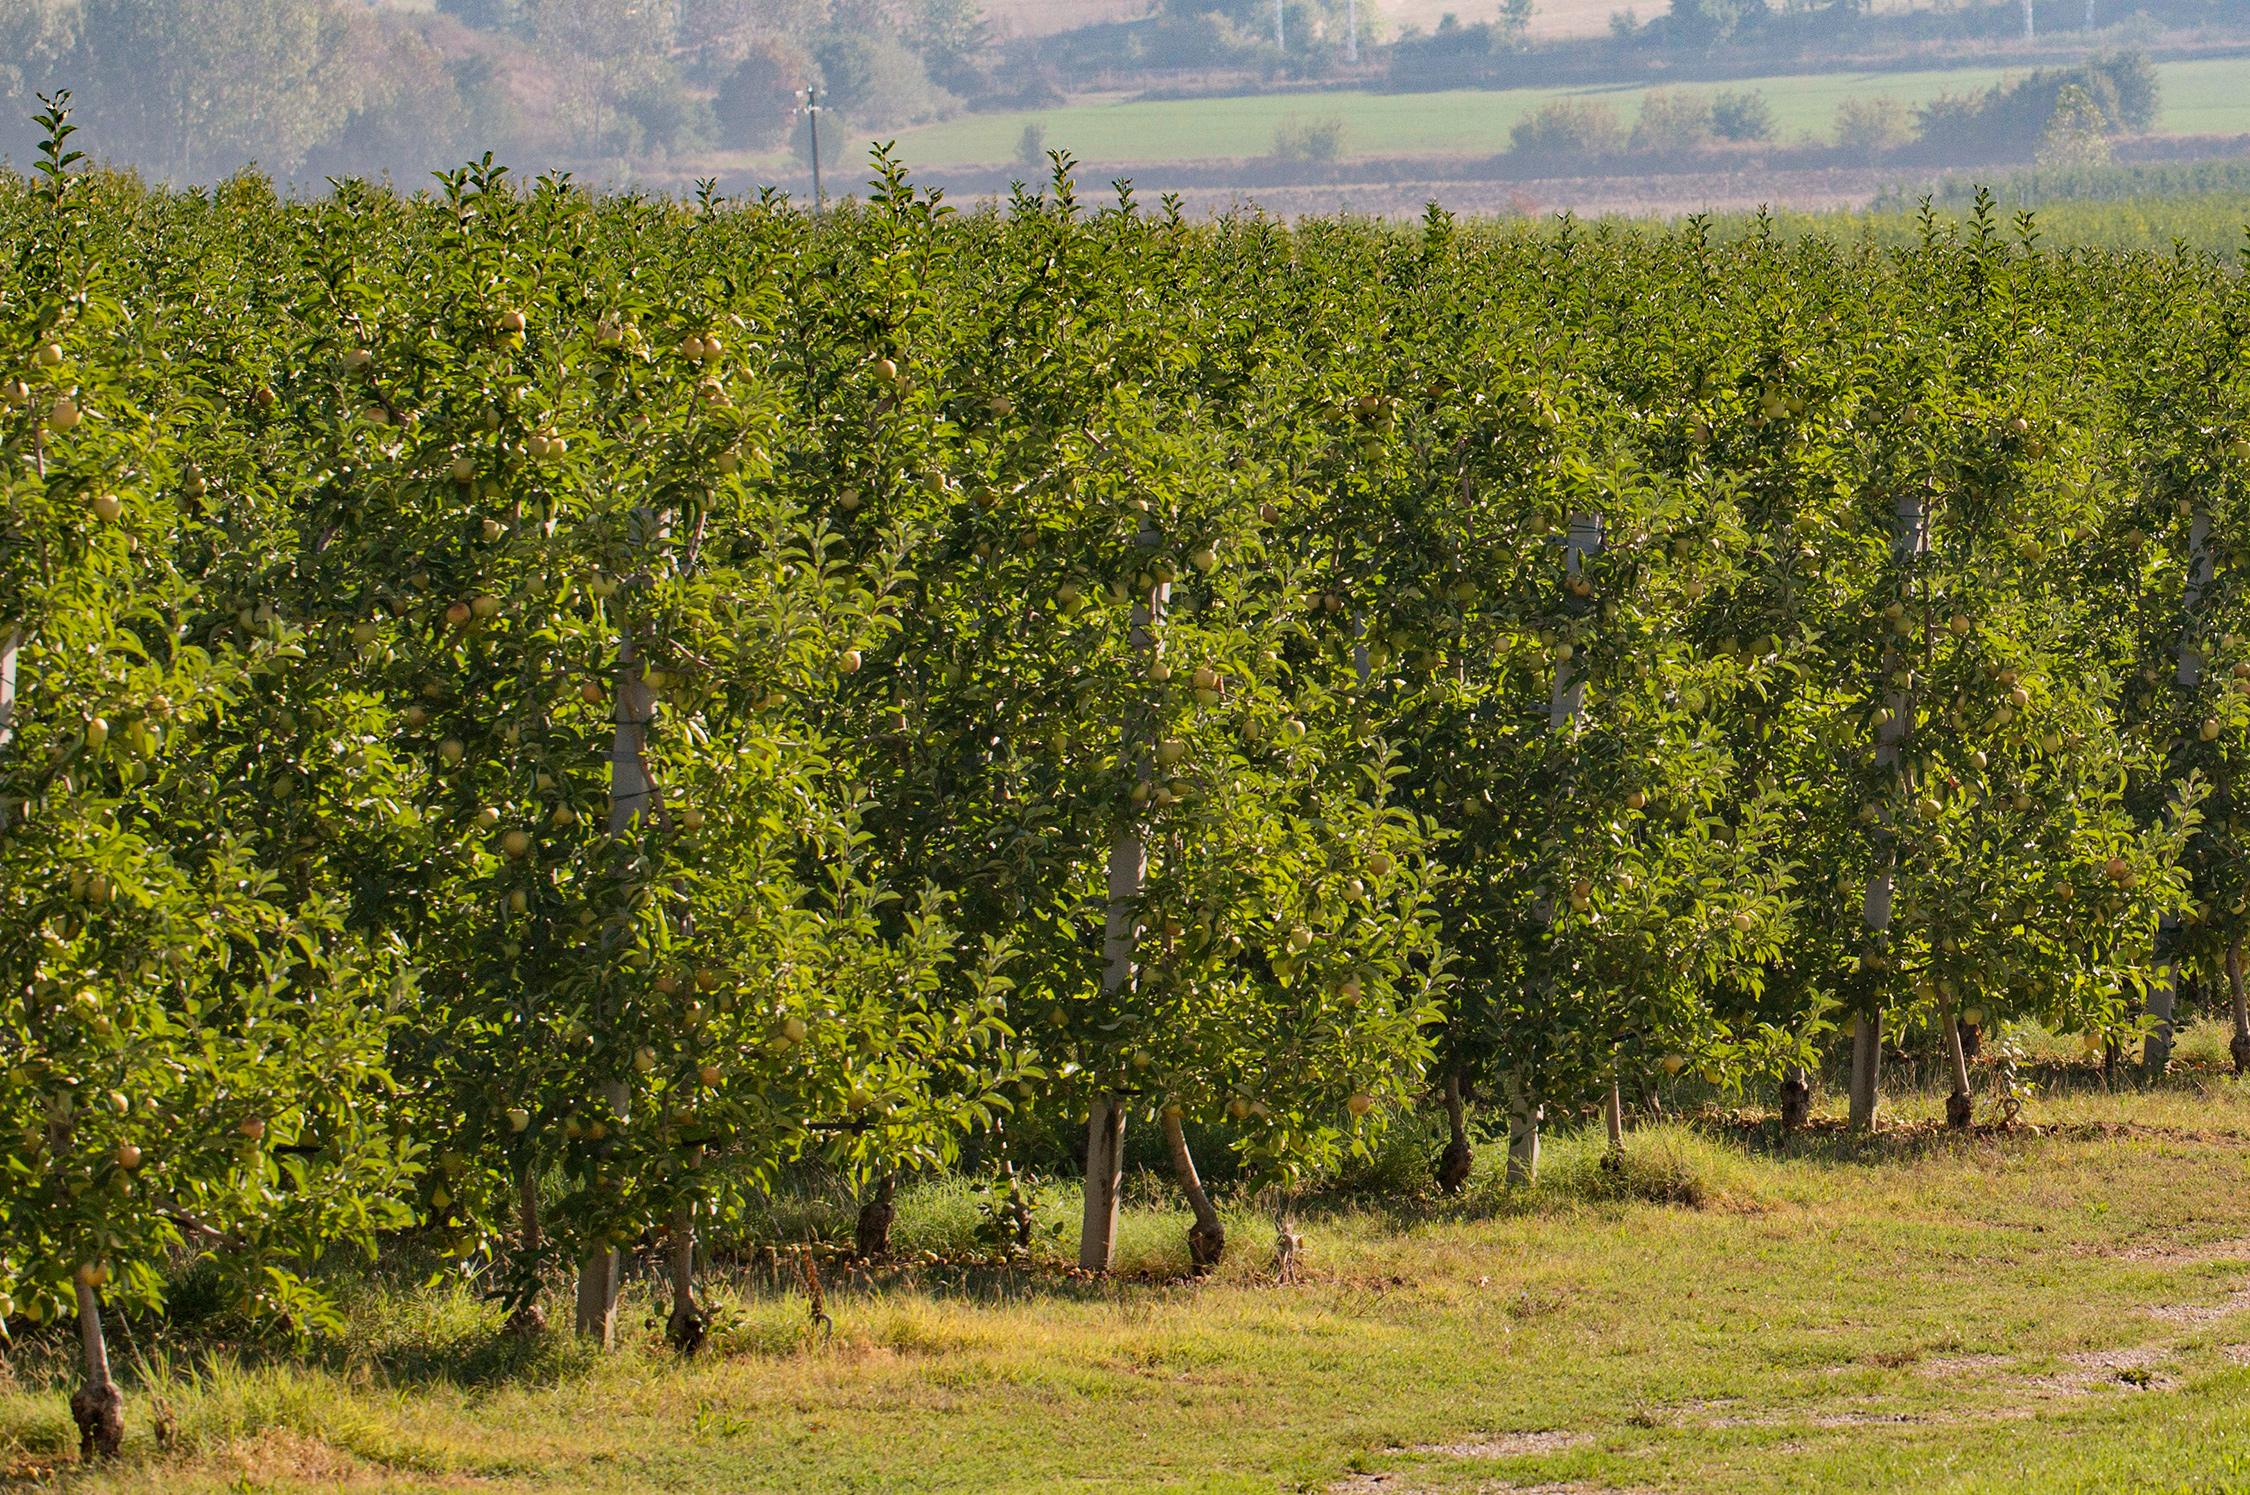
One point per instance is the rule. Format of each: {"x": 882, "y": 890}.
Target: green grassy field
{"x": 2068, "y": 1311}
{"x": 2200, "y": 97}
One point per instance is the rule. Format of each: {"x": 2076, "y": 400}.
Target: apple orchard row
{"x": 534, "y": 715}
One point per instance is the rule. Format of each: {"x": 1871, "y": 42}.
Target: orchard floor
{"x": 2066, "y": 1310}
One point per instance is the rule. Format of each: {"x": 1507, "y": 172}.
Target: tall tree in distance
{"x": 202, "y": 90}
{"x": 757, "y": 100}
{"x": 598, "y": 48}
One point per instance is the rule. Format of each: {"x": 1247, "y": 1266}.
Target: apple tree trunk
{"x": 1910, "y": 540}
{"x": 1128, "y": 871}
{"x": 96, "y": 1406}
{"x": 2163, "y": 992}
{"x": 632, "y": 794}
{"x": 2239, "y": 1045}
{"x": 1524, "y": 1116}
{"x": 871, "y": 1235}
{"x": 1566, "y": 708}
{"x": 1960, "y": 1107}
{"x": 11, "y": 642}
{"x": 528, "y": 1317}
{"x": 1455, "y": 1162}
{"x": 1207, "y": 1237}
{"x": 1105, "y": 1182}
{"x": 686, "y": 1326}
{"x": 1796, "y": 1098}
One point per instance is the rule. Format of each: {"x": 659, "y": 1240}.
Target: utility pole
{"x": 2030, "y": 29}
{"x": 1280, "y": 41}
{"x": 1351, "y": 29}
{"x": 812, "y": 120}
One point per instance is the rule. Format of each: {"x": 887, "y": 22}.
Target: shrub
{"x": 1567, "y": 129}
{"x": 759, "y": 98}
{"x": 1453, "y": 53}
{"x": 873, "y": 77}
{"x": 1742, "y": 114}
{"x": 2077, "y": 133}
{"x": 1318, "y": 140}
{"x": 1669, "y": 1163}
{"x": 2105, "y": 95}
{"x": 2133, "y": 79}
{"x": 1190, "y": 41}
{"x": 1707, "y": 23}
{"x": 1871, "y": 126}
{"x": 484, "y": 15}
{"x": 670, "y": 117}
{"x": 2203, "y": 1042}
{"x": 1664, "y": 1164}
{"x": 1671, "y": 124}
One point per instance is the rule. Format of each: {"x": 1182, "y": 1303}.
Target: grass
{"x": 2059, "y": 1312}
{"x": 2207, "y": 96}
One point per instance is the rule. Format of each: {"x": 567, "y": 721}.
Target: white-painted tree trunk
{"x": 1566, "y": 708}
{"x": 1910, "y": 538}
{"x": 11, "y": 642}
{"x": 632, "y": 793}
{"x": 2163, "y": 993}
{"x": 1613, "y": 1120}
{"x": 1128, "y": 870}
{"x": 1105, "y": 1182}
{"x": 1524, "y": 1116}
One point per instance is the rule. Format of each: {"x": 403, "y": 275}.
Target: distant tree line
{"x": 1497, "y": 51}
{"x": 308, "y": 89}
{"x": 313, "y": 88}
{"x": 2058, "y": 116}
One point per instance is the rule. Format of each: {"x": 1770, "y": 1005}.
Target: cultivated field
{"x": 1550, "y": 19}
{"x": 2202, "y": 97}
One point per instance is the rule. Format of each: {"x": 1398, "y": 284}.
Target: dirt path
{"x": 2034, "y": 1386}
{"x": 1662, "y": 196}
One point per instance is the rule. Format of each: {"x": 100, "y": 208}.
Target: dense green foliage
{"x": 539, "y": 713}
